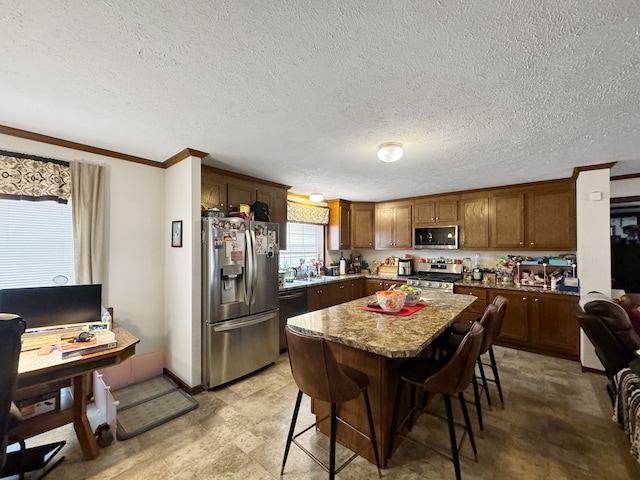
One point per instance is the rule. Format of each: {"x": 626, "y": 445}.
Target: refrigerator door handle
{"x": 241, "y": 323}
{"x": 254, "y": 270}
{"x": 248, "y": 269}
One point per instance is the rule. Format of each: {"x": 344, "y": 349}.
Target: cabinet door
{"x": 435, "y": 210}
{"x": 477, "y": 308}
{"x": 515, "y": 326}
{"x": 553, "y": 324}
{"x": 314, "y": 298}
{"x": 276, "y": 198}
{"x": 339, "y": 225}
{"x": 385, "y": 217}
{"x": 213, "y": 195}
{"x": 447, "y": 211}
{"x": 356, "y": 288}
{"x": 373, "y": 285}
{"x": 343, "y": 291}
{"x": 552, "y": 219}
{"x": 474, "y": 214}
{"x": 362, "y": 225}
{"x": 425, "y": 212}
{"x": 507, "y": 220}
{"x": 240, "y": 191}
{"x": 403, "y": 226}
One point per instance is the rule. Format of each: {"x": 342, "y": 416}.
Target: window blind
{"x": 36, "y": 243}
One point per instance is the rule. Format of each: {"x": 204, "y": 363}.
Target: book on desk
{"x": 75, "y": 349}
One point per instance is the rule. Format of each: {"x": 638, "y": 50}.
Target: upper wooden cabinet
{"x": 508, "y": 219}
{"x": 551, "y": 218}
{"x": 536, "y": 217}
{"x": 474, "y": 220}
{"x": 276, "y": 198}
{"x": 362, "y": 224}
{"x": 394, "y": 227}
{"x": 441, "y": 210}
{"x": 227, "y": 190}
{"x": 339, "y": 234}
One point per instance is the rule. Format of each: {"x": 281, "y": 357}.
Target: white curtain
{"x": 88, "y": 203}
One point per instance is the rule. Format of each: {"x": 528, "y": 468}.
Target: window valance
{"x": 300, "y": 213}
{"x": 28, "y": 177}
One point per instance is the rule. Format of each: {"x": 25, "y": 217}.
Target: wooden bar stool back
{"x": 318, "y": 374}
{"x": 447, "y": 379}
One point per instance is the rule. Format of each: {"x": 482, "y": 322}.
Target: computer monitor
{"x": 44, "y": 307}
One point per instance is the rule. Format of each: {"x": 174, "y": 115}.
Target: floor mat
{"x": 146, "y": 405}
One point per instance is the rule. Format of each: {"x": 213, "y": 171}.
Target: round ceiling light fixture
{"x": 390, "y": 151}
{"x": 316, "y": 197}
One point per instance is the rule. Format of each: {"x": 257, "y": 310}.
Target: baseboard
{"x": 592, "y": 370}
{"x": 190, "y": 390}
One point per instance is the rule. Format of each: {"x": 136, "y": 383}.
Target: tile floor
{"x": 556, "y": 424}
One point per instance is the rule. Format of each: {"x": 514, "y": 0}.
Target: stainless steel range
{"x": 440, "y": 276}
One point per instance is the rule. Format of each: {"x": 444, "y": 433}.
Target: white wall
{"x": 136, "y": 241}
{"x": 628, "y": 187}
{"x": 182, "y": 331}
{"x": 594, "y": 247}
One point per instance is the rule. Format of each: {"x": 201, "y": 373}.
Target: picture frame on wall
{"x": 176, "y": 233}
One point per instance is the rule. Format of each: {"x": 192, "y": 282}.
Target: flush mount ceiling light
{"x": 390, "y": 152}
{"x": 316, "y": 197}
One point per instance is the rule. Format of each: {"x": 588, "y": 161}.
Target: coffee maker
{"x": 356, "y": 262}
{"x": 404, "y": 267}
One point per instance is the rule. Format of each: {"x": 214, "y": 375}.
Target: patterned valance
{"x": 27, "y": 177}
{"x": 300, "y": 213}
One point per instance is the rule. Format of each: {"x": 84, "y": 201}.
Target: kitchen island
{"x": 376, "y": 344}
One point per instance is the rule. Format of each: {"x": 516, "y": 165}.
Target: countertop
{"x": 328, "y": 279}
{"x": 380, "y": 333}
{"x": 517, "y": 288}
{"x": 299, "y": 283}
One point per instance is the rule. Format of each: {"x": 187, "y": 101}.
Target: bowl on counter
{"x": 413, "y": 296}
{"x": 391, "y": 300}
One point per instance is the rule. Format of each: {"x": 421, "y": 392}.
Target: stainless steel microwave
{"x": 435, "y": 237}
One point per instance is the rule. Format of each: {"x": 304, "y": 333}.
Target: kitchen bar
{"x": 376, "y": 344}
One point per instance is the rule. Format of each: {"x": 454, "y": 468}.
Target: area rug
{"x": 146, "y": 405}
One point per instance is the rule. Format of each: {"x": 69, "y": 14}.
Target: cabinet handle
{"x": 432, "y": 218}
{"x": 524, "y": 298}
{"x": 342, "y": 286}
{"x": 532, "y": 244}
{"x": 535, "y": 300}
{"x": 521, "y": 243}
{"x": 437, "y": 218}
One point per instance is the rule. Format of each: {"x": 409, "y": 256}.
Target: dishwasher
{"x": 292, "y": 302}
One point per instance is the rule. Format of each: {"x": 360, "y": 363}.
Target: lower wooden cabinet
{"x": 374, "y": 284}
{"x": 540, "y": 322}
{"x": 475, "y": 311}
{"x": 330, "y": 294}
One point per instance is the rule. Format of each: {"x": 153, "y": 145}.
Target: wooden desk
{"x": 34, "y": 370}
{"x": 376, "y": 344}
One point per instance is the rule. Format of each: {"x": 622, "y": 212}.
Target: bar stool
{"x": 501, "y": 304}
{"x": 318, "y": 374}
{"x": 449, "y": 378}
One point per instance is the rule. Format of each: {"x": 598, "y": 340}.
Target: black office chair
{"x": 25, "y": 459}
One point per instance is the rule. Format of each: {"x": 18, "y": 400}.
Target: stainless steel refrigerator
{"x": 239, "y": 298}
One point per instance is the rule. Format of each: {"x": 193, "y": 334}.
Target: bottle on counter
{"x": 343, "y": 264}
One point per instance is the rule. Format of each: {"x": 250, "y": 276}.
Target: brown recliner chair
{"x": 609, "y": 329}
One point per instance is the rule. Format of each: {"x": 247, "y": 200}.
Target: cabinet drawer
{"x": 480, "y": 304}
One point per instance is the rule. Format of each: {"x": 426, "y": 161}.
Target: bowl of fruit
{"x": 391, "y": 300}
{"x": 413, "y": 294}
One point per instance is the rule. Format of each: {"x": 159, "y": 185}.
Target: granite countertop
{"x": 299, "y": 283}
{"x": 380, "y": 333}
{"x": 517, "y": 288}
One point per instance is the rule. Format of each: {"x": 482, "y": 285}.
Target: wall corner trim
{"x": 182, "y": 155}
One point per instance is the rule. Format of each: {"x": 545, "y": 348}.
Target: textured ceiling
{"x": 480, "y": 93}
